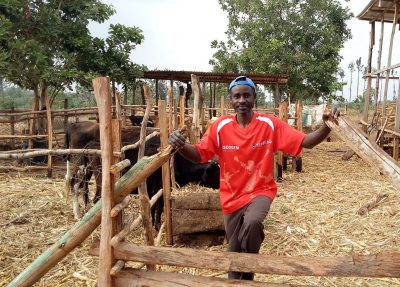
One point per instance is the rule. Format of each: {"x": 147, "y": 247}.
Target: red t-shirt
{"x": 246, "y": 156}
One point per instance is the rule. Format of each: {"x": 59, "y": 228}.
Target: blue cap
{"x": 242, "y": 80}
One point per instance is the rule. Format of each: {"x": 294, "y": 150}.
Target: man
{"x": 245, "y": 144}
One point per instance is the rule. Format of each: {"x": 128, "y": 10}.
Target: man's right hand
{"x": 176, "y": 139}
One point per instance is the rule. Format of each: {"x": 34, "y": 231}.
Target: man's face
{"x": 242, "y": 99}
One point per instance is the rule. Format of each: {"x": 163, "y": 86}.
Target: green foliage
{"x": 299, "y": 38}
{"x": 48, "y": 43}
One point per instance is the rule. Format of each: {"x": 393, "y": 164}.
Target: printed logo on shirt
{"x": 230, "y": 147}
{"x": 260, "y": 144}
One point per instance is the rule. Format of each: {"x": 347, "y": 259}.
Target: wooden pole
{"x": 196, "y": 115}
{"x": 82, "y": 229}
{"x": 222, "y": 108}
{"x": 172, "y": 279}
{"x": 182, "y": 111}
{"x": 12, "y": 122}
{"x": 369, "y": 69}
{"x": 166, "y": 177}
{"x": 396, "y": 141}
{"x": 378, "y": 76}
{"x": 116, "y": 142}
{"x": 170, "y": 104}
{"x": 49, "y": 133}
{"x": 384, "y": 264}
{"x": 389, "y": 61}
{"x": 369, "y": 151}
{"x": 143, "y": 195}
{"x": 101, "y": 89}
{"x": 277, "y": 96}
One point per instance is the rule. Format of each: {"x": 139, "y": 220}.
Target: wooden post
{"x": 283, "y": 115}
{"x": 182, "y": 111}
{"x": 165, "y": 174}
{"x": 170, "y": 104}
{"x": 157, "y": 95}
{"x": 396, "y": 141}
{"x": 196, "y": 115}
{"x": 222, "y": 108}
{"x": 116, "y": 142}
{"x": 277, "y": 96}
{"x": 12, "y": 122}
{"x": 378, "y": 76}
{"x": 49, "y": 133}
{"x": 201, "y": 107}
{"x": 101, "y": 88}
{"x": 369, "y": 69}
{"x": 82, "y": 229}
{"x": 172, "y": 168}
{"x": 144, "y": 197}
{"x": 118, "y": 109}
{"x": 389, "y": 61}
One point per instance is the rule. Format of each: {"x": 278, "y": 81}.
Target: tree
{"x": 351, "y": 68}
{"x": 359, "y": 66}
{"x": 47, "y": 44}
{"x": 299, "y": 38}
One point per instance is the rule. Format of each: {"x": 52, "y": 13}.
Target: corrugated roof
{"x": 376, "y": 10}
{"x": 185, "y": 76}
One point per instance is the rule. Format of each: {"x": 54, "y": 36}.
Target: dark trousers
{"x": 245, "y": 230}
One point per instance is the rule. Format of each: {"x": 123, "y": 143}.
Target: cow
{"x": 86, "y": 135}
{"x": 137, "y": 121}
{"x": 185, "y": 171}
{"x": 82, "y": 135}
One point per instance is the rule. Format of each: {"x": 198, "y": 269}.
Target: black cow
{"x": 137, "y": 121}
{"x": 37, "y": 143}
{"x": 86, "y": 135}
{"x": 205, "y": 174}
{"x": 185, "y": 171}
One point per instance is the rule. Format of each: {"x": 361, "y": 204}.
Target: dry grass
{"x": 315, "y": 214}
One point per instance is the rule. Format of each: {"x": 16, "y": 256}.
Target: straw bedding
{"x": 315, "y": 214}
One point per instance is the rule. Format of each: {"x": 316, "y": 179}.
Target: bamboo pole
{"x": 166, "y": 177}
{"x": 389, "y": 61}
{"x": 82, "y": 229}
{"x": 384, "y": 264}
{"x": 106, "y": 261}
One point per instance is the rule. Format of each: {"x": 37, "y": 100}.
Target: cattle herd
{"x": 80, "y": 169}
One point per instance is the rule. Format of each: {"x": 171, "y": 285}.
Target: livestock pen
{"x": 325, "y": 236}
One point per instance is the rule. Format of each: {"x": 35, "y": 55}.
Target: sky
{"x": 178, "y": 34}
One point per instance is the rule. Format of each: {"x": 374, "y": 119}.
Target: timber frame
{"x": 274, "y": 80}
{"x": 383, "y": 11}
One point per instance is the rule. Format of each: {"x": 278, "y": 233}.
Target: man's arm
{"x": 188, "y": 151}
{"x": 316, "y": 137}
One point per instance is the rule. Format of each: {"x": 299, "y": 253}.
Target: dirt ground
{"x": 315, "y": 214}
